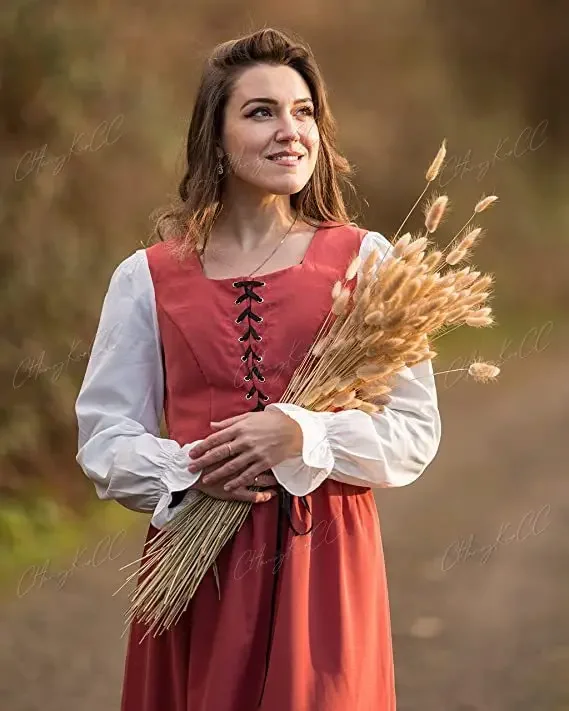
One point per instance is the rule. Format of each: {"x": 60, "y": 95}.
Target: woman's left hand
{"x": 259, "y": 441}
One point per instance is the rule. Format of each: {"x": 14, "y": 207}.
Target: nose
{"x": 288, "y": 130}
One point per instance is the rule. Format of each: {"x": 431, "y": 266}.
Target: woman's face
{"x": 283, "y": 120}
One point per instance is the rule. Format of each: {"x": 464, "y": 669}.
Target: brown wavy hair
{"x": 201, "y": 189}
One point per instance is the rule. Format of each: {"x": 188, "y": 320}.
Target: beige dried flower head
{"x": 478, "y": 321}
{"x": 483, "y": 312}
{"x": 417, "y": 260}
{"x": 455, "y": 256}
{"x": 336, "y": 290}
{"x": 352, "y": 269}
{"x": 394, "y": 319}
{"x": 341, "y": 302}
{"x": 483, "y": 204}
{"x": 343, "y": 398}
{"x": 436, "y": 165}
{"x": 483, "y": 283}
{"x": 370, "y": 261}
{"x": 483, "y": 372}
{"x": 411, "y": 289}
{"x": 376, "y": 390}
{"x": 401, "y": 245}
{"x": 374, "y": 318}
{"x": 461, "y": 250}
{"x": 434, "y": 212}
{"x": 414, "y": 247}
{"x": 390, "y": 290}
{"x": 370, "y": 371}
{"x": 432, "y": 260}
{"x": 465, "y": 278}
{"x": 368, "y": 407}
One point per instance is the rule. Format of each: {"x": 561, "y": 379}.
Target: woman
{"x": 210, "y": 325}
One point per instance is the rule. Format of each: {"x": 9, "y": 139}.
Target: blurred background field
{"x": 95, "y": 101}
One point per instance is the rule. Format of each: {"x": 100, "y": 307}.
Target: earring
{"x": 220, "y": 168}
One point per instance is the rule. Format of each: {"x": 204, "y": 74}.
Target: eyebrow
{"x": 267, "y": 100}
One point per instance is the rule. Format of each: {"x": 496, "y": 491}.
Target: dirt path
{"x": 61, "y": 646}
{"x": 479, "y": 624}
{"x": 468, "y": 635}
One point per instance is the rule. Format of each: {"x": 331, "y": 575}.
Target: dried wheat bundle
{"x": 178, "y": 557}
{"x": 376, "y": 327}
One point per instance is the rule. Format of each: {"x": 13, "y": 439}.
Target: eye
{"x": 264, "y": 108}
{"x": 255, "y": 111}
{"x": 309, "y": 109}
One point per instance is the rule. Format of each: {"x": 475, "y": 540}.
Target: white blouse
{"x": 120, "y": 404}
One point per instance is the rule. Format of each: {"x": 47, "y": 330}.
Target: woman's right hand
{"x": 242, "y": 493}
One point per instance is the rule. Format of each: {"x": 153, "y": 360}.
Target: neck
{"x": 251, "y": 222}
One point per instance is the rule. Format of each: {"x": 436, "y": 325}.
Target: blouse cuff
{"x": 174, "y": 479}
{"x": 303, "y": 474}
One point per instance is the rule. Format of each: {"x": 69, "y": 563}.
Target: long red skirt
{"x": 306, "y": 631}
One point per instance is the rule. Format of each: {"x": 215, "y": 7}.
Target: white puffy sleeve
{"x": 119, "y": 406}
{"x": 391, "y": 448}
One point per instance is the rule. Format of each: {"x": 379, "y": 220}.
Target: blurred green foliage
{"x": 40, "y": 529}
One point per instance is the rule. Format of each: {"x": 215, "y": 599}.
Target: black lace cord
{"x": 285, "y": 508}
{"x": 249, "y": 294}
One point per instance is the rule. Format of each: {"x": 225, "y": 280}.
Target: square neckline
{"x": 242, "y": 277}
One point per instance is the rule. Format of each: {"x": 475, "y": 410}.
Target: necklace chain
{"x": 265, "y": 260}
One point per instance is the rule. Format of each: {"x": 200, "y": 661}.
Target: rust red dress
{"x": 303, "y": 622}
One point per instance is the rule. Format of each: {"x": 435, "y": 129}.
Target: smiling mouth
{"x": 286, "y": 160}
